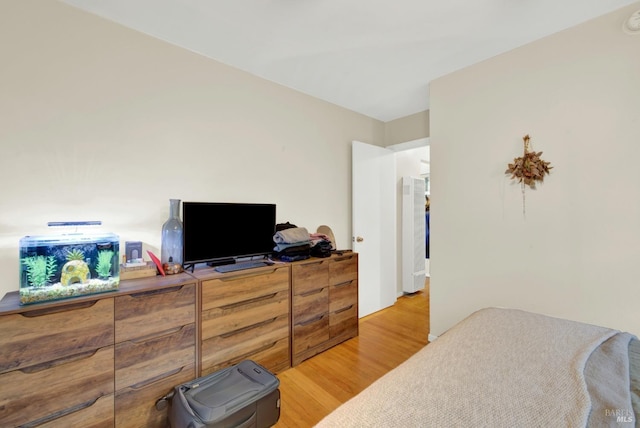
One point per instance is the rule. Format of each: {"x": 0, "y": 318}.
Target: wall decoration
{"x": 529, "y": 168}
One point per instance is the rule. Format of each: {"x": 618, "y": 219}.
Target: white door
{"x": 374, "y": 225}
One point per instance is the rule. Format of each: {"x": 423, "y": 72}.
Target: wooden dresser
{"x": 155, "y": 349}
{"x": 245, "y": 315}
{"x": 60, "y": 357}
{"x": 104, "y": 360}
{"x": 324, "y": 304}
{"x": 100, "y": 360}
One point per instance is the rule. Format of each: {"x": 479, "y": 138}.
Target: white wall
{"x": 575, "y": 254}
{"x": 406, "y": 129}
{"x": 98, "y": 122}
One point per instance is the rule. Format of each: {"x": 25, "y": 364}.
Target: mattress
{"x": 634, "y": 376}
{"x": 506, "y": 367}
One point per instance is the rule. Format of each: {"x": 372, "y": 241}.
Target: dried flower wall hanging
{"x": 528, "y": 169}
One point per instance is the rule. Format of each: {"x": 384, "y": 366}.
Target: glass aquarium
{"x": 69, "y": 265}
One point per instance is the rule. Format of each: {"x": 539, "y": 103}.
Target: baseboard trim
{"x": 432, "y": 337}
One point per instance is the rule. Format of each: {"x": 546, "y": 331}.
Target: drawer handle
{"x": 245, "y": 275}
{"x": 319, "y": 262}
{"x": 255, "y": 351}
{"x": 154, "y": 292}
{"x": 343, "y": 284}
{"x": 343, "y": 309}
{"x": 154, "y": 379}
{"x": 344, "y": 258}
{"x": 247, "y": 328}
{"x": 53, "y": 363}
{"x": 312, "y": 292}
{"x": 247, "y": 302}
{"x": 57, "y": 309}
{"x": 246, "y": 355}
{"x": 312, "y": 320}
{"x": 156, "y": 335}
{"x": 61, "y": 413}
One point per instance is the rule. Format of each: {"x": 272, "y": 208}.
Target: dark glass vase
{"x": 171, "y": 250}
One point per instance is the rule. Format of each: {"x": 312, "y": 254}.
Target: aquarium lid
{"x": 74, "y": 223}
{"x": 67, "y": 238}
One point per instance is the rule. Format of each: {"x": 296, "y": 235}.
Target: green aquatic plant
{"x": 74, "y": 254}
{"x": 40, "y": 269}
{"x": 104, "y": 263}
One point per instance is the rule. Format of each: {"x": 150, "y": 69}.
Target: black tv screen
{"x": 219, "y": 232}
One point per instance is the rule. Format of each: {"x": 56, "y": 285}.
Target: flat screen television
{"x": 220, "y": 232}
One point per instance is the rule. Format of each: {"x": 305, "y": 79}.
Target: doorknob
{"x": 359, "y": 239}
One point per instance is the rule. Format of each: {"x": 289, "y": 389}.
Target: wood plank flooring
{"x": 317, "y": 386}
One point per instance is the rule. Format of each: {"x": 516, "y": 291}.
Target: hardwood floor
{"x": 317, "y": 386}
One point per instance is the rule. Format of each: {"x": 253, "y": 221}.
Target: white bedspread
{"x": 496, "y": 368}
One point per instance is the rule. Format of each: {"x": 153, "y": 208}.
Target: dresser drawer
{"x": 343, "y": 294}
{"x": 143, "y": 314}
{"x": 56, "y": 388}
{"x": 98, "y": 414}
{"x": 230, "y": 289}
{"x": 37, "y": 336}
{"x": 344, "y": 269}
{"x": 310, "y": 333}
{"x": 136, "y": 405}
{"x": 142, "y": 362}
{"x": 309, "y": 276}
{"x": 310, "y": 305}
{"x": 244, "y": 315}
{"x": 344, "y": 321}
{"x": 246, "y": 341}
{"x": 273, "y": 356}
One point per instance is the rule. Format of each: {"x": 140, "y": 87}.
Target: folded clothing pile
{"x": 321, "y": 246}
{"x": 296, "y": 243}
{"x": 293, "y": 243}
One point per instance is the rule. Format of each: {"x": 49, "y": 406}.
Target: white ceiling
{"x": 375, "y": 57}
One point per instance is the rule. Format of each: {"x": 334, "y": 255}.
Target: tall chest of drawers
{"x": 245, "y": 315}
{"x": 324, "y": 304}
{"x": 155, "y": 348}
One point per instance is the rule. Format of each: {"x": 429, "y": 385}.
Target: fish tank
{"x": 61, "y": 266}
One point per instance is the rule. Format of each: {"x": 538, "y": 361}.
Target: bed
{"x": 502, "y": 368}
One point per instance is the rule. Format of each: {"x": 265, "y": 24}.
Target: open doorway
{"x": 412, "y": 159}
{"x": 425, "y": 162}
